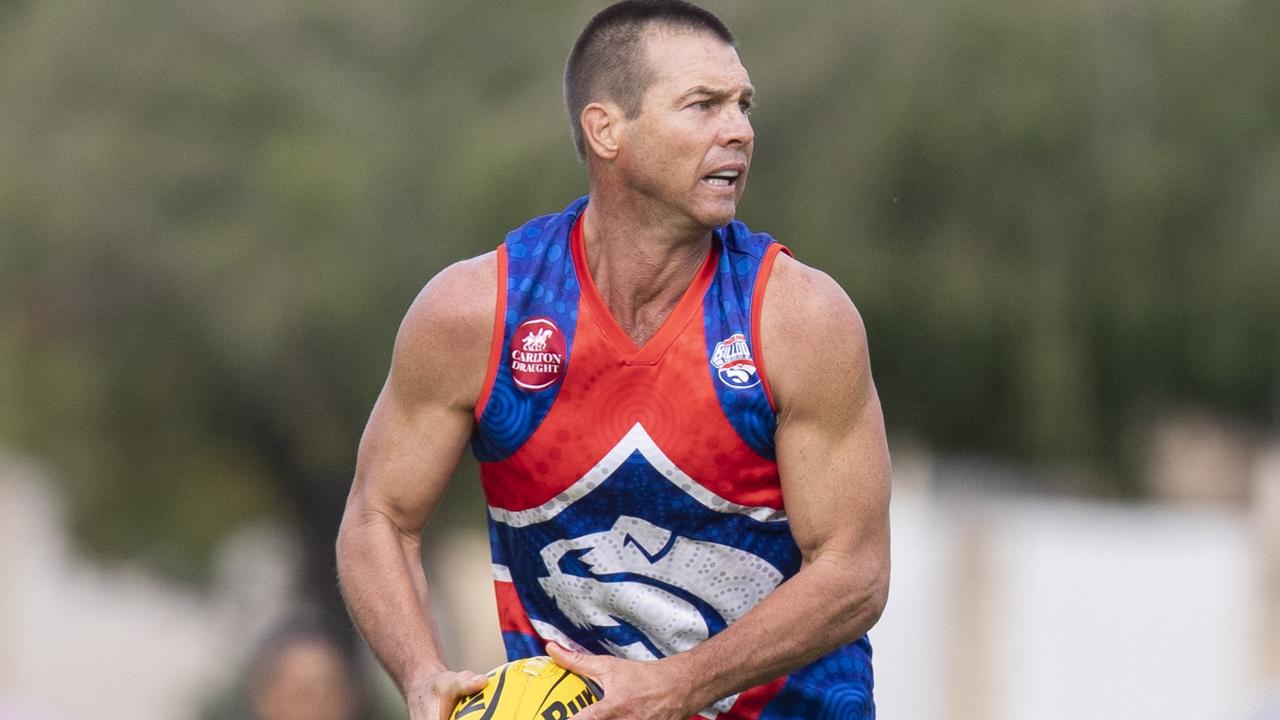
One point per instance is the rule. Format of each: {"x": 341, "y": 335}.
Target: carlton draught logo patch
{"x": 537, "y": 354}
{"x": 733, "y": 363}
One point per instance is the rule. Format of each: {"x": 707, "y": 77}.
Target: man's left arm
{"x": 834, "y": 467}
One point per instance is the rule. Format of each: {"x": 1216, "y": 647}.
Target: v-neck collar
{"x": 655, "y": 346}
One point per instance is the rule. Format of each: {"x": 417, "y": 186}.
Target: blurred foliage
{"x": 1057, "y": 219}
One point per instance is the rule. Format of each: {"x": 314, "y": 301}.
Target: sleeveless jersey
{"x": 634, "y": 502}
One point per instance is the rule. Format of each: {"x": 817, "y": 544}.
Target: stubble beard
{"x": 664, "y": 205}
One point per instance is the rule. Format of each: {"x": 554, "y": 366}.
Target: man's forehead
{"x": 682, "y": 60}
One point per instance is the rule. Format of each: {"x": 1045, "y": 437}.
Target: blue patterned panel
{"x": 731, "y": 351}
{"x": 838, "y": 686}
{"x": 541, "y": 283}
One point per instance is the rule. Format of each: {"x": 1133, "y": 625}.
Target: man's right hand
{"x": 438, "y": 694}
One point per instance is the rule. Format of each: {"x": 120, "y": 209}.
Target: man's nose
{"x": 737, "y": 129}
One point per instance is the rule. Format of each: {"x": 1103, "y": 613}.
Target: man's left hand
{"x": 632, "y": 689}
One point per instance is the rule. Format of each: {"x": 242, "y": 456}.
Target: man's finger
{"x": 470, "y": 682}
{"x": 581, "y": 663}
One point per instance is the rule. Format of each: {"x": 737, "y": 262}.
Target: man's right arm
{"x": 415, "y": 437}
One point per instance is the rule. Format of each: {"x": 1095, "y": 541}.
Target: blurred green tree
{"x": 1056, "y": 219}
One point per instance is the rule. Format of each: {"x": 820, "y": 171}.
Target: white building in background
{"x": 78, "y": 642}
{"x": 1026, "y": 609}
{"x": 1001, "y": 608}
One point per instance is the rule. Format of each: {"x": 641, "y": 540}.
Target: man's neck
{"x": 640, "y": 264}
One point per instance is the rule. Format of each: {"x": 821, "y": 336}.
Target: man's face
{"x": 689, "y": 149}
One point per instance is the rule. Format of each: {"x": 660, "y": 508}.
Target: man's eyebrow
{"x": 718, "y": 93}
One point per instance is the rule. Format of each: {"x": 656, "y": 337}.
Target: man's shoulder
{"x": 460, "y": 298}
{"x": 812, "y": 334}
{"x": 799, "y": 300}
{"x": 804, "y": 295}
{"x": 446, "y": 334}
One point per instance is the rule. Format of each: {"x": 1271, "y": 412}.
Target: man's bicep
{"x": 835, "y": 480}
{"x": 406, "y": 457}
{"x": 423, "y": 418}
{"x": 832, "y": 456}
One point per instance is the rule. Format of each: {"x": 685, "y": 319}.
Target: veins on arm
{"x": 415, "y": 436}
{"x": 832, "y": 455}
{"x": 833, "y": 465}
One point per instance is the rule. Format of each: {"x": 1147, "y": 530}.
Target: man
{"x": 666, "y": 519}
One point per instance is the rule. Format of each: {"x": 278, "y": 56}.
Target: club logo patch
{"x": 733, "y": 363}
{"x": 537, "y": 354}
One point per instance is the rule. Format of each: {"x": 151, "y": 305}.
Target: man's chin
{"x": 719, "y": 215}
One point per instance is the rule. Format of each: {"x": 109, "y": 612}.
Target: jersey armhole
{"x": 757, "y": 301}
{"x": 499, "y": 333}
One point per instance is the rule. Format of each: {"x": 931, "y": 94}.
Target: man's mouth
{"x": 722, "y": 178}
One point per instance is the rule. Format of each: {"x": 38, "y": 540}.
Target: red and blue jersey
{"x": 634, "y": 501}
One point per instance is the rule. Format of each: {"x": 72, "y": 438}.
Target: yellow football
{"x": 534, "y": 688}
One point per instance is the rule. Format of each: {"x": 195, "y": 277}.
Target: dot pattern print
{"x": 726, "y": 313}
{"x": 539, "y": 283}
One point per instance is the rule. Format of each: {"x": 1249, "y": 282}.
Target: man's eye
{"x": 746, "y": 107}
{"x": 703, "y": 105}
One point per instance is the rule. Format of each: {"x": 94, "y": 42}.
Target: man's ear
{"x": 602, "y": 125}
